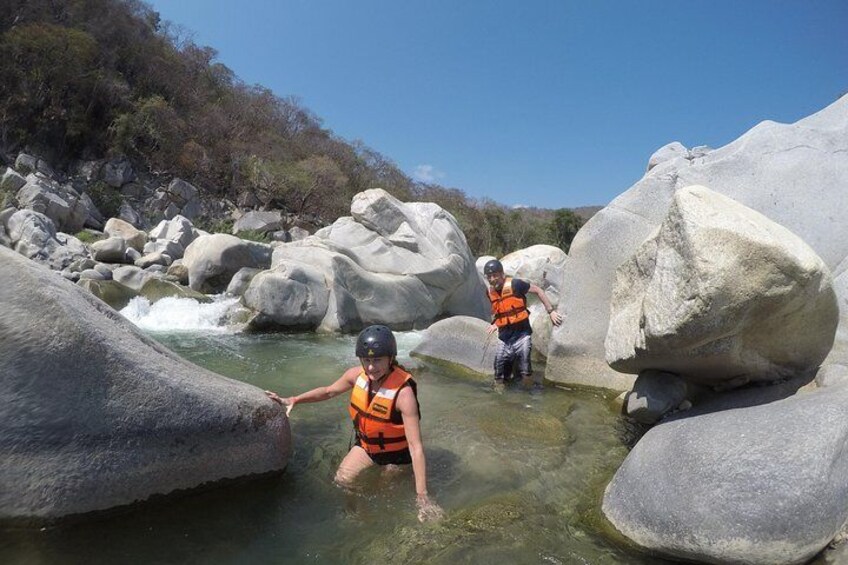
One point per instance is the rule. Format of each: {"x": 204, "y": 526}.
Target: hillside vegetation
{"x": 92, "y": 79}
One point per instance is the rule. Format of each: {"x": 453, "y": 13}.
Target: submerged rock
{"x": 94, "y": 414}
{"x": 111, "y": 292}
{"x": 461, "y": 340}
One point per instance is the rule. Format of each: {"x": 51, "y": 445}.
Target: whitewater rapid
{"x": 180, "y": 314}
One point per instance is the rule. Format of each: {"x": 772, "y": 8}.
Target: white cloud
{"x": 426, "y": 173}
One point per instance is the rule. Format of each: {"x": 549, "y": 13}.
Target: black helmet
{"x": 492, "y": 267}
{"x": 376, "y": 341}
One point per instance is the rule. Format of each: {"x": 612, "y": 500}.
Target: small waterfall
{"x": 179, "y": 314}
{"x": 406, "y": 341}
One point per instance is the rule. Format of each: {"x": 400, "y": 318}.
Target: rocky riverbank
{"x": 711, "y": 294}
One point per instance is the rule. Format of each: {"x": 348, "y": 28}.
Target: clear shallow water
{"x": 519, "y": 477}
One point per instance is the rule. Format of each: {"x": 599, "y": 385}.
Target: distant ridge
{"x": 586, "y": 212}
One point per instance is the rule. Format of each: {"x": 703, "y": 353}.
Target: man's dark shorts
{"x": 512, "y": 355}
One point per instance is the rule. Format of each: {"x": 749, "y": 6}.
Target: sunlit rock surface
{"x": 94, "y": 414}
{"x": 721, "y": 293}
{"x": 213, "y": 260}
{"x": 794, "y": 174}
{"x": 394, "y": 263}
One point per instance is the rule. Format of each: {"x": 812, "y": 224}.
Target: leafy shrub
{"x": 7, "y": 197}
{"x": 107, "y": 199}
{"x": 254, "y": 235}
{"x": 213, "y": 225}
{"x": 89, "y": 237}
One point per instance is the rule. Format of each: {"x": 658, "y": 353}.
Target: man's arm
{"x": 556, "y": 319}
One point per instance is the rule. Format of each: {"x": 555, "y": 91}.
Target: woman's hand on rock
{"x": 287, "y": 402}
{"x": 428, "y": 511}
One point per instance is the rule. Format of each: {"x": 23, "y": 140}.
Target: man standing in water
{"x": 511, "y": 319}
{"x": 385, "y": 413}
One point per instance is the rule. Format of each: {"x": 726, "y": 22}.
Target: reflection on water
{"x": 520, "y": 478}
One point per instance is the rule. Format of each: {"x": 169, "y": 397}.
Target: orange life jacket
{"x": 507, "y": 308}
{"x": 379, "y": 426}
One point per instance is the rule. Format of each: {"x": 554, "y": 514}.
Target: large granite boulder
{"x": 179, "y": 198}
{"x": 542, "y": 265}
{"x": 459, "y": 340}
{"x": 757, "y": 485}
{"x": 97, "y": 415}
{"x": 212, "y": 260}
{"x": 11, "y": 181}
{"x": 241, "y": 281}
{"x": 117, "y": 172}
{"x": 109, "y": 250}
{"x": 34, "y": 236}
{"x": 796, "y": 175}
{"x": 293, "y": 296}
{"x": 259, "y": 221}
{"x": 135, "y": 238}
{"x": 172, "y": 237}
{"x": 721, "y": 293}
{"x": 399, "y": 264}
{"x": 62, "y": 204}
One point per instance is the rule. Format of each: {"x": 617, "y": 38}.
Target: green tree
{"x": 151, "y": 129}
{"x": 48, "y": 77}
{"x": 563, "y": 227}
{"x": 315, "y": 184}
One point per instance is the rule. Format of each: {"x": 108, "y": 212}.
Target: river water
{"x": 520, "y": 477}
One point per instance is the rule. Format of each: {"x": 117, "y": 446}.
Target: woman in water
{"x": 385, "y": 413}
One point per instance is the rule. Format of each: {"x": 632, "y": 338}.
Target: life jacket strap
{"x": 381, "y": 440}
{"x": 509, "y": 313}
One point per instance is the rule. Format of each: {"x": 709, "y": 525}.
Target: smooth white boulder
{"x": 794, "y": 174}
{"x": 212, "y": 260}
{"x": 719, "y": 294}
{"x": 135, "y": 238}
{"x": 109, "y": 250}
{"x": 34, "y": 236}
{"x": 392, "y": 263}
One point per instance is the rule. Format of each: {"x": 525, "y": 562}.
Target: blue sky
{"x": 543, "y": 103}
